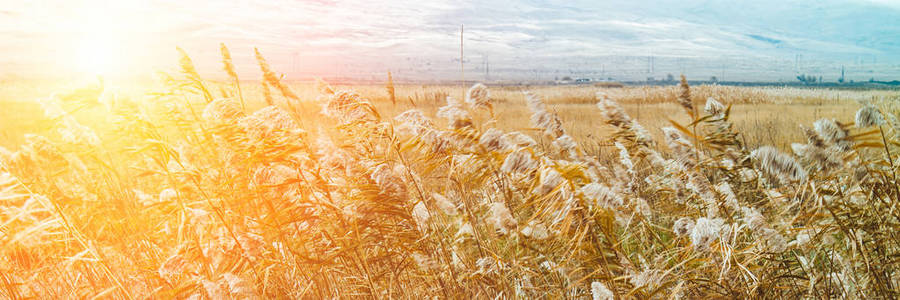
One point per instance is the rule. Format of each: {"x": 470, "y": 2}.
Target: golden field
{"x": 765, "y": 115}
{"x": 202, "y": 189}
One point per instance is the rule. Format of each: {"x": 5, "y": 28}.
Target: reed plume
{"x": 188, "y": 69}
{"x": 271, "y": 79}
{"x": 869, "y": 116}
{"x": 180, "y": 197}
{"x": 228, "y": 66}
{"x": 684, "y": 97}
{"x": 390, "y": 89}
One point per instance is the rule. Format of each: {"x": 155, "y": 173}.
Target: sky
{"x": 516, "y": 40}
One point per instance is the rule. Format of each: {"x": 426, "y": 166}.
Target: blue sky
{"x": 419, "y": 40}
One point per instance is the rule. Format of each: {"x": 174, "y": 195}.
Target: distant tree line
{"x": 809, "y": 79}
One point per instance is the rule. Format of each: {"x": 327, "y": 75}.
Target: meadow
{"x": 242, "y": 189}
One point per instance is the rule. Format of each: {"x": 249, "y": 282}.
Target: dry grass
{"x": 199, "y": 189}
{"x": 773, "y": 121}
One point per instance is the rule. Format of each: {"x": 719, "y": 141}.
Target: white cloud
{"x": 313, "y": 36}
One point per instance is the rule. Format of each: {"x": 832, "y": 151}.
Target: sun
{"x": 99, "y": 55}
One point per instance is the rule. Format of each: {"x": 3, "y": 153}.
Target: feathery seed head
{"x": 348, "y": 107}
{"x": 516, "y": 140}
{"x": 624, "y": 157}
{"x": 424, "y": 262}
{"x": 270, "y": 122}
{"x": 812, "y": 137}
{"x": 39, "y": 149}
{"x": 168, "y": 195}
{"x": 683, "y": 226}
{"x": 799, "y": 149}
{"x": 774, "y": 195}
{"x": 238, "y": 288}
{"x": 868, "y": 116}
{"x": 455, "y": 113}
{"x": 68, "y": 127}
{"x": 543, "y": 119}
{"x": 641, "y": 135}
{"x": 779, "y": 165}
{"x": 519, "y": 162}
{"x": 501, "y": 219}
{"x": 414, "y": 121}
{"x": 271, "y": 78}
{"x": 478, "y": 96}
{"x": 684, "y": 96}
{"x": 267, "y": 93}
{"x": 832, "y": 132}
{"x": 465, "y": 231}
{"x": 642, "y": 207}
{"x": 439, "y": 140}
{"x": 187, "y": 66}
{"x": 550, "y": 180}
{"x": 549, "y": 122}
{"x": 52, "y": 108}
{"x": 747, "y": 175}
{"x": 727, "y": 163}
{"x": 725, "y": 190}
{"x": 772, "y": 240}
{"x": 819, "y": 158}
{"x": 714, "y": 107}
{"x": 705, "y": 232}
{"x": 390, "y": 88}
{"x": 613, "y": 112}
{"x": 566, "y": 144}
{"x": 445, "y": 204}
{"x": 681, "y": 148}
{"x": 415, "y": 117}
{"x": 801, "y": 239}
{"x": 492, "y": 140}
{"x": 144, "y": 198}
{"x": 535, "y": 230}
{"x": 615, "y": 115}
{"x": 75, "y": 133}
{"x": 222, "y": 110}
{"x": 534, "y": 103}
{"x": 753, "y": 219}
{"x": 273, "y": 176}
{"x": 226, "y": 62}
{"x": 599, "y": 291}
{"x": 390, "y": 184}
{"x": 486, "y": 265}
{"x": 214, "y": 290}
{"x": 421, "y": 216}
{"x": 323, "y": 87}
{"x": 602, "y": 196}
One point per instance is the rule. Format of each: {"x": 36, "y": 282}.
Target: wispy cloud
{"x": 420, "y": 38}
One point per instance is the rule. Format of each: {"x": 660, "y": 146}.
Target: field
{"x": 204, "y": 189}
{"x": 764, "y": 116}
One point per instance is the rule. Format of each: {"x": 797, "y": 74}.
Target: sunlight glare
{"x": 98, "y": 55}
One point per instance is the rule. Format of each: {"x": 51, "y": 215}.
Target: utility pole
{"x": 842, "y": 74}
{"x": 487, "y": 68}
{"x": 722, "y": 77}
{"x": 462, "y": 68}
